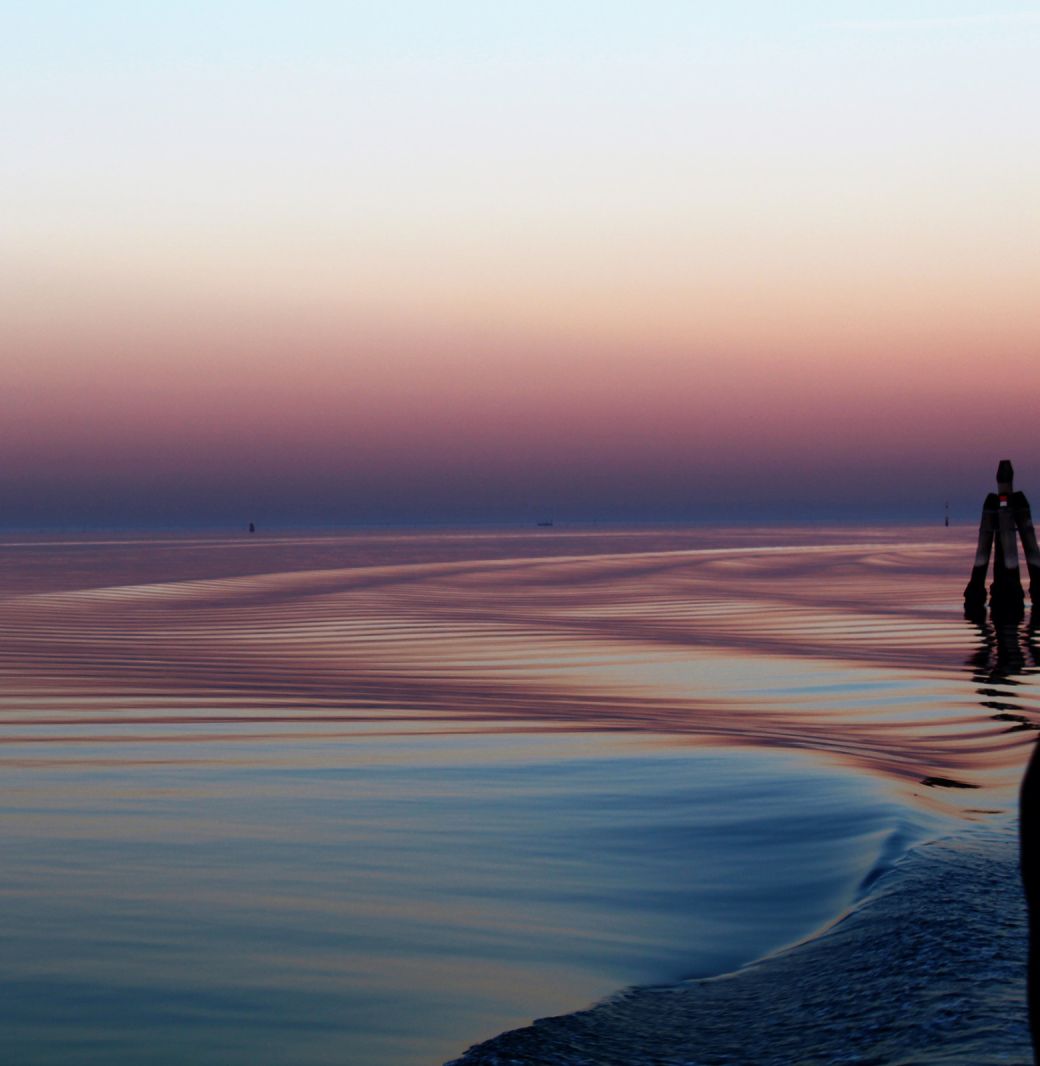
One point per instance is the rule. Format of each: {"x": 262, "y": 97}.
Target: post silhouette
{"x": 1006, "y": 518}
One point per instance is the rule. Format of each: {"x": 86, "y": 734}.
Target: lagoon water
{"x": 367, "y": 799}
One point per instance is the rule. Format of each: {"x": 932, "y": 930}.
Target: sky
{"x": 344, "y": 263}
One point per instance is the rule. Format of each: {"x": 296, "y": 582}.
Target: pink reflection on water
{"x": 852, "y": 646}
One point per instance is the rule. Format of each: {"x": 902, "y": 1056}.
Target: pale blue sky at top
{"x": 481, "y": 214}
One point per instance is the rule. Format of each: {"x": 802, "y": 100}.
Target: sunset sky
{"x": 338, "y": 263}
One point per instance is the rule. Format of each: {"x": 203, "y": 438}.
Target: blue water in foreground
{"x": 368, "y": 800}
{"x": 384, "y": 903}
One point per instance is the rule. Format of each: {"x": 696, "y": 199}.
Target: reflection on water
{"x": 337, "y": 911}
{"x": 367, "y": 799}
{"x": 1005, "y": 659}
{"x": 1001, "y": 668}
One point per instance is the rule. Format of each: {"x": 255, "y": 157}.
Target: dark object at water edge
{"x": 1006, "y": 518}
{"x": 1029, "y": 860}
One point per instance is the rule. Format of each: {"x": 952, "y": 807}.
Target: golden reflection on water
{"x": 854, "y": 650}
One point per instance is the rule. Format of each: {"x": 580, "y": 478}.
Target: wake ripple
{"x": 858, "y": 652}
{"x": 928, "y": 969}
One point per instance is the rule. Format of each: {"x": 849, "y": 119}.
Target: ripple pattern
{"x": 855, "y": 650}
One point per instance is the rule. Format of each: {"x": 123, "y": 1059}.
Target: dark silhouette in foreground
{"x": 1029, "y": 849}
{"x": 1009, "y": 650}
{"x": 1005, "y": 516}
{"x": 1017, "y": 653}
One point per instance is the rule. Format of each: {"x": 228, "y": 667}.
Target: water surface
{"x": 367, "y": 799}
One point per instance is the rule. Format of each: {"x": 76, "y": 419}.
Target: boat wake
{"x": 929, "y": 967}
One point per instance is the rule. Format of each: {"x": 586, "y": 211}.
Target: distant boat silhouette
{"x": 549, "y": 523}
{"x": 252, "y": 528}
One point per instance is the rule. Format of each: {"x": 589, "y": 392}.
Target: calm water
{"x": 369, "y": 799}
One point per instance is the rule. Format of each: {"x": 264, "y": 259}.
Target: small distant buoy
{"x": 947, "y": 519}
{"x": 252, "y": 528}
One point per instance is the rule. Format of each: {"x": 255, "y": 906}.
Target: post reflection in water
{"x": 1029, "y": 830}
{"x": 1007, "y": 654}
{"x": 1008, "y": 651}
